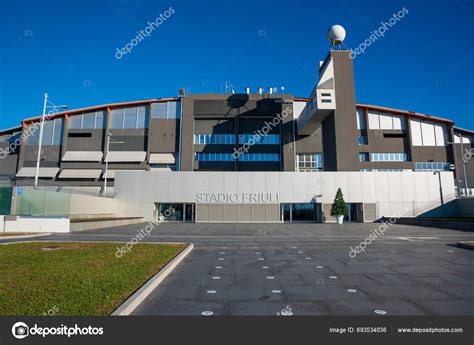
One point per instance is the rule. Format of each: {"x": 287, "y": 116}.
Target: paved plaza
{"x": 305, "y": 269}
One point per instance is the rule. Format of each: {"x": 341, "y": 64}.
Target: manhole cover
{"x": 207, "y": 313}
{"x": 51, "y": 248}
{"x": 380, "y": 312}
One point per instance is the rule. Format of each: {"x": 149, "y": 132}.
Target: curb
{"x": 127, "y": 307}
{"x": 465, "y": 245}
{"x": 14, "y": 237}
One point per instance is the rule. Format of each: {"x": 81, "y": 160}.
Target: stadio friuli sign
{"x": 237, "y": 198}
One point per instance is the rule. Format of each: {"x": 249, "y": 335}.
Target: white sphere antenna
{"x": 336, "y": 35}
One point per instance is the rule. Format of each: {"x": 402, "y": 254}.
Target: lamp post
{"x": 109, "y": 135}
{"x": 40, "y": 143}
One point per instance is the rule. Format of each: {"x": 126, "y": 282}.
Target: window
{"x": 424, "y": 133}
{"x": 162, "y": 166}
{"x": 129, "y": 118}
{"x": 166, "y": 110}
{"x": 363, "y": 157}
{"x": 309, "y": 162}
{"x": 384, "y": 120}
{"x": 260, "y": 157}
{"x": 361, "y": 119}
{"x": 255, "y": 139}
{"x": 88, "y": 120}
{"x": 362, "y": 140}
{"x": 432, "y": 166}
{"x": 213, "y": 156}
{"x": 100, "y": 120}
{"x": 222, "y": 139}
{"x": 94, "y": 120}
{"x": 247, "y": 157}
{"x": 52, "y": 132}
{"x": 116, "y": 119}
{"x": 389, "y": 157}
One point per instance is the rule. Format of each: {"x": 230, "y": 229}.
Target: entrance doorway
{"x": 174, "y": 212}
{"x": 308, "y": 212}
{"x": 353, "y": 210}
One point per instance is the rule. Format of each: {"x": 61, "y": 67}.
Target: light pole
{"x": 40, "y": 143}
{"x": 109, "y": 135}
{"x": 462, "y": 160}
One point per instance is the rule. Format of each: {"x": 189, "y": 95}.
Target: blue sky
{"x": 424, "y": 63}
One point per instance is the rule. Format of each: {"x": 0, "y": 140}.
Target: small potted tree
{"x": 339, "y": 208}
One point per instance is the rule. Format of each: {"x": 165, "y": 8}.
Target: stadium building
{"x": 260, "y": 156}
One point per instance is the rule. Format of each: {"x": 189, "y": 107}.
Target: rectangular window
{"x": 361, "y": 124}
{"x": 260, "y": 157}
{"x": 75, "y": 122}
{"x": 363, "y": 157}
{"x": 432, "y": 166}
{"x": 100, "y": 120}
{"x": 130, "y": 118}
{"x": 52, "y": 132}
{"x": 255, "y": 139}
{"x": 173, "y": 110}
{"x": 219, "y": 139}
{"x": 48, "y": 132}
{"x": 386, "y": 121}
{"x": 58, "y": 132}
{"x": 373, "y": 120}
{"x": 213, "y": 156}
{"x": 389, "y": 157}
{"x": 362, "y": 140}
{"x": 88, "y": 121}
{"x": 116, "y": 119}
{"x": 166, "y": 110}
{"x": 142, "y": 117}
{"x": 309, "y": 162}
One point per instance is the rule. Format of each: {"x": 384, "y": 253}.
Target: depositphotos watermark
{"x": 21, "y": 330}
{"x": 258, "y": 135}
{"x": 144, "y": 33}
{"x": 468, "y": 153}
{"x": 379, "y": 32}
{"x": 143, "y": 233}
{"x": 23, "y": 137}
{"x": 376, "y": 233}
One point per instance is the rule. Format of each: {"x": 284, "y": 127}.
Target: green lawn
{"x": 76, "y": 278}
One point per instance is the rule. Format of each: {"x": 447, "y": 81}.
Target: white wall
{"x": 391, "y": 191}
{"x": 37, "y": 224}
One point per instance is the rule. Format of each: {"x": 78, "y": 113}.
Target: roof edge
{"x": 103, "y": 106}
